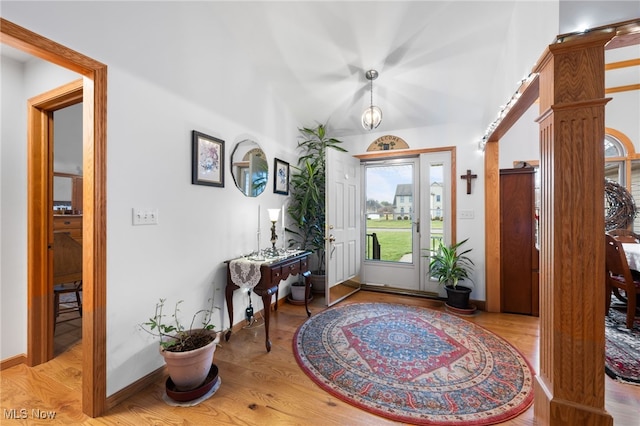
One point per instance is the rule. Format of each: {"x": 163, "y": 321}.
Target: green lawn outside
{"x": 397, "y": 224}
{"x": 394, "y": 245}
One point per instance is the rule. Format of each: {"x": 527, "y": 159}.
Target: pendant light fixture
{"x": 372, "y": 116}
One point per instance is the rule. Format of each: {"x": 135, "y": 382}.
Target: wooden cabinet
{"x": 67, "y": 248}
{"x": 518, "y": 252}
{"x": 70, "y": 224}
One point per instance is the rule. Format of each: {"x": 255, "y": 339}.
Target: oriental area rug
{"x": 414, "y": 365}
{"x": 622, "y": 353}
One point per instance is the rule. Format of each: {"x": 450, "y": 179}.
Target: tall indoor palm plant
{"x": 307, "y": 206}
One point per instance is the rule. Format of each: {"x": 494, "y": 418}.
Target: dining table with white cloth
{"x": 632, "y": 253}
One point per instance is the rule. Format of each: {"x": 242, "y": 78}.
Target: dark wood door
{"x": 518, "y": 254}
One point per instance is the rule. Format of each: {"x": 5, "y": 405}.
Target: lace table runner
{"x": 244, "y": 272}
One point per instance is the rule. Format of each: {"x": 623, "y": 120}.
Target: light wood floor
{"x": 258, "y": 387}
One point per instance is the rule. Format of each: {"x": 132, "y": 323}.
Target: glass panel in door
{"x": 391, "y": 246}
{"x": 435, "y": 174}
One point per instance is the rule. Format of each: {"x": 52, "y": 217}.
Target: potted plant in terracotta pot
{"x": 451, "y": 265}
{"x": 188, "y": 352}
{"x": 307, "y": 196}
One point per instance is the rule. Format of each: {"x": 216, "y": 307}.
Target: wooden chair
{"x": 619, "y": 277}
{"x": 67, "y": 275}
{"x": 63, "y": 306}
{"x": 624, "y": 235}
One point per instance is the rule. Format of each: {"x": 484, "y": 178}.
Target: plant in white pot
{"x": 451, "y": 265}
{"x": 188, "y": 352}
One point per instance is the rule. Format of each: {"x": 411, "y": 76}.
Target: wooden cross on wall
{"x": 468, "y": 177}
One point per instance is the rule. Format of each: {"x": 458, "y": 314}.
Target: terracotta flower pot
{"x": 188, "y": 370}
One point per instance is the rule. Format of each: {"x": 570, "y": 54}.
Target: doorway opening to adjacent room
{"x": 94, "y": 86}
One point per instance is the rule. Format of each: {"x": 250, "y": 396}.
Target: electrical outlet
{"x": 145, "y": 216}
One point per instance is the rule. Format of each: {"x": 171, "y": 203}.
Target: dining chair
{"x": 624, "y": 235}
{"x": 62, "y": 306}
{"x": 67, "y": 276}
{"x": 618, "y": 277}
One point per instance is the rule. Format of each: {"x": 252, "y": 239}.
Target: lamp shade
{"x": 371, "y": 117}
{"x": 274, "y": 214}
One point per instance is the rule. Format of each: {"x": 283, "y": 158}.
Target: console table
{"x": 266, "y": 283}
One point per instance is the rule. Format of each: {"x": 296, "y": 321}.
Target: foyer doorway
{"x": 408, "y": 209}
{"x": 94, "y": 83}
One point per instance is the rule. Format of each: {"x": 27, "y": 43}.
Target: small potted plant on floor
{"x": 188, "y": 352}
{"x": 451, "y": 265}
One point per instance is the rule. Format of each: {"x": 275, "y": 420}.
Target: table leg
{"x": 266, "y": 302}
{"x": 307, "y": 290}
{"x": 229, "y": 296}
{"x": 275, "y": 306}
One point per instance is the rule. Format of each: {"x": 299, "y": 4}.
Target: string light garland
{"x": 504, "y": 109}
{"x": 623, "y": 28}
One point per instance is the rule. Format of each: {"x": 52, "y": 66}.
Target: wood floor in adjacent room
{"x": 258, "y": 387}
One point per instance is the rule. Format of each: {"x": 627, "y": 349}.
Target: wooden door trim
{"x": 39, "y": 216}
{"x": 94, "y": 224}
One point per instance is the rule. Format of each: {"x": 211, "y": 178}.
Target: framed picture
{"x": 281, "y": 177}
{"x": 207, "y": 160}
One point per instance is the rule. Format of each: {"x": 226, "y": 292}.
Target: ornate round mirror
{"x": 249, "y": 168}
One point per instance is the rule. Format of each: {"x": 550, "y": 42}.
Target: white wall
{"x": 13, "y": 205}
{"x": 534, "y": 27}
{"x": 67, "y": 137}
{"x": 149, "y": 166}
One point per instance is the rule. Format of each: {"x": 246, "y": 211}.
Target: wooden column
{"x": 570, "y": 387}
{"x": 492, "y": 226}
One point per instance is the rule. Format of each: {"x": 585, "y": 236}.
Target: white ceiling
{"x": 438, "y": 60}
{"x": 432, "y": 57}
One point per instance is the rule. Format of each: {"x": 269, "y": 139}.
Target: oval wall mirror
{"x": 249, "y": 168}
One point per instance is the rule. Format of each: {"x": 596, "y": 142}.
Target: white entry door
{"x": 343, "y": 223}
{"x": 391, "y": 237}
{"x": 408, "y": 209}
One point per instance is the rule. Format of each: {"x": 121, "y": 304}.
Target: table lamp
{"x": 273, "y": 217}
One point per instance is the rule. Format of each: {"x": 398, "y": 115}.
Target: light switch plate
{"x": 465, "y": 214}
{"x": 145, "y": 216}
